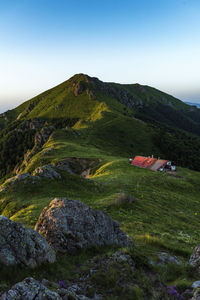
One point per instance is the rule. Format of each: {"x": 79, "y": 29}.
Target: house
{"x": 154, "y": 164}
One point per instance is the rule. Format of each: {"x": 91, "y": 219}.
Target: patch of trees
{"x": 181, "y": 148}
{"x": 64, "y": 122}
{"x": 17, "y": 138}
{"x": 167, "y": 115}
{"x": 13, "y": 146}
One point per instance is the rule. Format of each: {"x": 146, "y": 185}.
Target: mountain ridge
{"x": 121, "y": 119}
{"x": 74, "y": 141}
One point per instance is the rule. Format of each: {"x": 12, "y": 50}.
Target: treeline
{"x": 180, "y": 147}
{"x": 13, "y": 146}
{"x": 164, "y": 114}
{"x": 18, "y": 137}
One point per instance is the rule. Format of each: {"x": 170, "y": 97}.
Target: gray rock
{"x": 195, "y": 258}
{"x": 25, "y": 177}
{"x": 196, "y": 295}
{"x": 79, "y": 88}
{"x": 165, "y": 258}
{"x": 69, "y": 225}
{"x": 19, "y": 245}
{"x": 30, "y": 289}
{"x": 196, "y": 284}
{"x": 47, "y": 171}
{"x": 19, "y": 177}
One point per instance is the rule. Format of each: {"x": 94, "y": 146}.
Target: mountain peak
{"x": 82, "y": 77}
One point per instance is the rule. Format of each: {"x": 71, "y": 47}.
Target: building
{"x": 153, "y": 164}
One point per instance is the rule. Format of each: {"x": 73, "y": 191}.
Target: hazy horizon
{"x": 12, "y": 103}
{"x": 43, "y": 43}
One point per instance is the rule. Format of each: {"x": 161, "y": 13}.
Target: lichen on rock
{"x": 69, "y": 225}
{"x": 22, "y": 246}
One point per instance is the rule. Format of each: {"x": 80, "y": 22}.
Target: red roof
{"x": 147, "y": 162}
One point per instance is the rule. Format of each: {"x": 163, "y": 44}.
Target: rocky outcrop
{"x": 164, "y": 258}
{"x": 19, "y": 245}
{"x": 41, "y": 138}
{"x": 69, "y": 225}
{"x": 196, "y": 295}
{"x": 79, "y": 88}
{"x": 77, "y": 165}
{"x": 47, "y": 171}
{"x": 30, "y": 289}
{"x": 25, "y": 177}
{"x": 195, "y": 258}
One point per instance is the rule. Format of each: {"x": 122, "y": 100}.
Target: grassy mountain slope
{"x": 163, "y": 217}
{"x": 165, "y": 202}
{"x": 101, "y": 125}
{"x": 85, "y": 97}
{"x": 122, "y": 119}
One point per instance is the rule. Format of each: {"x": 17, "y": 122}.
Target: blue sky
{"x": 44, "y": 42}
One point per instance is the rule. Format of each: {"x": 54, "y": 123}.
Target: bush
{"x": 124, "y": 199}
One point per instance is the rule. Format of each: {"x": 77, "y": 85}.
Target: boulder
{"x": 196, "y": 295}
{"x": 68, "y": 225}
{"x": 25, "y": 177}
{"x": 195, "y": 258}
{"x": 165, "y": 258}
{"x": 30, "y": 289}
{"x": 47, "y": 171}
{"x": 19, "y": 245}
{"x": 196, "y": 284}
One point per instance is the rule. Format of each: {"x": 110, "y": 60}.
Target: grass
{"x": 165, "y": 216}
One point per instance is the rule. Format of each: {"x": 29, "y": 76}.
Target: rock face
{"x": 69, "y": 225}
{"x": 196, "y": 295}
{"x": 30, "y": 289}
{"x": 195, "y": 258}
{"x": 19, "y": 245}
{"x": 47, "y": 171}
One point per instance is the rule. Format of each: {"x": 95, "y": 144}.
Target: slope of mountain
{"x": 74, "y": 141}
{"x": 121, "y": 119}
{"x": 83, "y": 97}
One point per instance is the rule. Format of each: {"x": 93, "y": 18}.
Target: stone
{"x": 79, "y": 88}
{"x": 196, "y": 284}
{"x": 69, "y": 225}
{"x": 25, "y": 177}
{"x": 47, "y": 171}
{"x": 196, "y": 295}
{"x": 30, "y": 289}
{"x": 195, "y": 258}
{"x": 165, "y": 258}
{"x": 21, "y": 246}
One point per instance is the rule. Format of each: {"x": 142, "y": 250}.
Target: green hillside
{"x": 122, "y": 119}
{"x": 85, "y": 97}
{"x": 163, "y": 216}
{"x": 93, "y": 128}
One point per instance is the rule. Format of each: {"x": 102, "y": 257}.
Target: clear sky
{"x": 153, "y": 42}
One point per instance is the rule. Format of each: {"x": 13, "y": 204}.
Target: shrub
{"x": 124, "y": 199}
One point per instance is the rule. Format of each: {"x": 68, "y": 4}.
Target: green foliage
{"x": 13, "y": 145}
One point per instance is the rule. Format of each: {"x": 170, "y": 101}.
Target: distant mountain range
{"x": 193, "y": 104}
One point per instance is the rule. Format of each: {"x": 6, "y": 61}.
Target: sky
{"x": 151, "y": 42}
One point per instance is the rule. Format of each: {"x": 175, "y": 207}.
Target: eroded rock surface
{"x": 30, "y": 289}
{"x": 195, "y": 258}
{"x": 19, "y": 245}
{"x": 69, "y": 225}
{"x": 47, "y": 171}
